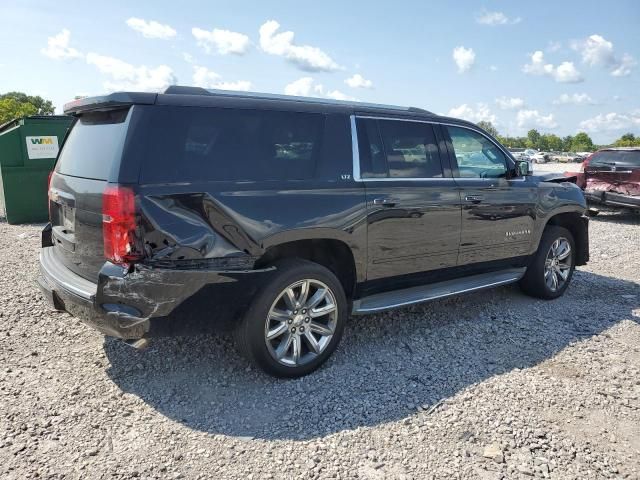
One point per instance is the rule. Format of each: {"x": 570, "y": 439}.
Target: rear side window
{"x": 616, "y": 157}
{"x": 398, "y": 149}
{"x": 93, "y": 145}
{"x": 216, "y": 144}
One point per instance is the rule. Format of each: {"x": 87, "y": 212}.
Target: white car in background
{"x": 535, "y": 156}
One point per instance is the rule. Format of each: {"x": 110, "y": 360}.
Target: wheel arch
{"x": 578, "y": 225}
{"x": 332, "y": 253}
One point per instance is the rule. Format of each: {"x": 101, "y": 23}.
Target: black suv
{"x": 278, "y": 217}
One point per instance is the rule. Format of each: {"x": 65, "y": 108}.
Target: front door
{"x": 498, "y": 212}
{"x": 413, "y": 206}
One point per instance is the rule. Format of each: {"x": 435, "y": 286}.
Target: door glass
{"x": 476, "y": 155}
{"x": 410, "y": 149}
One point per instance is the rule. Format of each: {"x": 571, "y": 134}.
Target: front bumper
{"x": 613, "y": 199}
{"x": 148, "y": 302}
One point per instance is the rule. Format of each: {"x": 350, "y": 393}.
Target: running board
{"x": 424, "y": 293}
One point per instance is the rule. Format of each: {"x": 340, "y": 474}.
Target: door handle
{"x": 385, "y": 202}
{"x": 473, "y": 198}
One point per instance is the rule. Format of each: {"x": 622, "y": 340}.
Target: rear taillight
{"x": 119, "y": 225}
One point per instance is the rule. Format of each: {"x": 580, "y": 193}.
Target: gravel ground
{"x": 490, "y": 385}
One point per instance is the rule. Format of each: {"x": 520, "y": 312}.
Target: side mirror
{"x": 522, "y": 168}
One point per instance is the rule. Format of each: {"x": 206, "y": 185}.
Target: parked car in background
{"x": 518, "y": 154}
{"x": 567, "y": 157}
{"x": 535, "y": 156}
{"x": 612, "y": 177}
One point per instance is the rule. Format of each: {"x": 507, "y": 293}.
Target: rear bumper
{"x": 147, "y": 301}
{"x": 613, "y": 199}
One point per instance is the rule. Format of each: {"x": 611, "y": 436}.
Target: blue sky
{"x": 556, "y": 66}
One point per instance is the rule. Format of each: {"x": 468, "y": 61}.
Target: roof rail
{"x": 184, "y": 90}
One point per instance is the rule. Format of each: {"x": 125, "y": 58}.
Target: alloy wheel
{"x": 301, "y": 322}
{"x": 557, "y": 265}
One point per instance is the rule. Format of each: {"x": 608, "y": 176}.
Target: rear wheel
{"x": 551, "y": 269}
{"x": 296, "y": 321}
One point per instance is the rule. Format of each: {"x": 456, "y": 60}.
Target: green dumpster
{"x": 28, "y": 150}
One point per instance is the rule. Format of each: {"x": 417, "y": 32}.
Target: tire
{"x": 273, "y": 311}
{"x": 537, "y": 281}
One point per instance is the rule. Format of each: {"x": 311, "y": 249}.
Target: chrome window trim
{"x": 355, "y": 149}
{"x": 356, "y": 152}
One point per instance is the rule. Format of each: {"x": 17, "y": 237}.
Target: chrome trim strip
{"x": 354, "y": 150}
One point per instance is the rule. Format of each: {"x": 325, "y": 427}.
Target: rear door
{"x": 614, "y": 171}
{"x": 498, "y": 212}
{"x": 413, "y": 207}
{"x": 89, "y": 158}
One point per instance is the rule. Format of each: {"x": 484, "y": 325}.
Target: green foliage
{"x": 582, "y": 143}
{"x": 627, "y": 140}
{"x": 488, "y": 127}
{"x": 18, "y": 104}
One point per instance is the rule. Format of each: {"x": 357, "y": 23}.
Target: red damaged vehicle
{"x": 612, "y": 177}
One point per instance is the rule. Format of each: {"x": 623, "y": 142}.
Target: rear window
{"x": 218, "y": 144}
{"x": 94, "y": 145}
{"x": 617, "y": 157}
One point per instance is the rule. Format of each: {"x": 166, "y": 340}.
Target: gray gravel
{"x": 490, "y": 385}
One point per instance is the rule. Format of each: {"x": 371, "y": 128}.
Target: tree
{"x": 554, "y": 142}
{"x": 488, "y": 126}
{"x": 627, "y": 140}
{"x": 566, "y": 143}
{"x": 533, "y": 138}
{"x": 18, "y": 104}
{"x": 582, "y": 143}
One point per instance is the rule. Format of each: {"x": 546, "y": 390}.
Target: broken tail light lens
{"x": 119, "y": 225}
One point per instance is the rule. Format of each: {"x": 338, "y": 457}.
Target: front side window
{"x": 476, "y": 155}
{"x": 398, "y": 149}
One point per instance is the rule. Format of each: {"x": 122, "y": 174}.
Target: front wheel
{"x": 296, "y": 321}
{"x": 551, "y": 269}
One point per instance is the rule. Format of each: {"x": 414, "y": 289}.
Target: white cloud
{"x": 464, "y": 58}
{"x": 306, "y": 57}
{"x": 510, "y": 103}
{"x": 306, "y": 87}
{"x": 358, "y": 81}
{"x": 598, "y": 51}
{"x": 624, "y": 67}
{"x": 566, "y": 72}
{"x": 553, "y": 46}
{"x": 338, "y": 95}
{"x": 493, "y": 68}
{"x": 188, "y": 57}
{"x": 534, "y": 119}
{"x": 496, "y": 18}
{"x": 302, "y": 87}
{"x": 125, "y": 76}
{"x": 205, "y": 78}
{"x": 151, "y": 28}
{"x": 58, "y": 47}
{"x": 575, "y": 99}
{"x": 240, "y": 85}
{"x": 222, "y": 41}
{"x": 480, "y": 113}
{"x": 611, "y": 122}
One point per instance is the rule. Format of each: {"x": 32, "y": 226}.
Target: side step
{"x": 424, "y": 293}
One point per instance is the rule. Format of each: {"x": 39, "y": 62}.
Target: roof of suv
{"x": 196, "y": 96}
{"x": 199, "y": 96}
